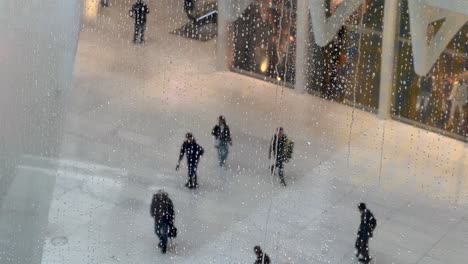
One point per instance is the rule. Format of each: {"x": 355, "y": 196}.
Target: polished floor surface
{"x": 128, "y": 112}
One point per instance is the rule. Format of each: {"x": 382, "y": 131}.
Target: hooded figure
{"x": 162, "y": 210}
{"x": 222, "y": 136}
{"x": 193, "y": 152}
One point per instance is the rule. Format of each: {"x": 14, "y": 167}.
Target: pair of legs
{"x": 192, "y": 176}
{"x": 456, "y": 105}
{"x": 161, "y": 229}
{"x": 223, "y": 152}
{"x": 280, "y": 167}
{"x": 362, "y": 247}
{"x": 139, "y": 34}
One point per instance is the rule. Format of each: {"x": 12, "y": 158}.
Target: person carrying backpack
{"x": 281, "y": 148}
{"x": 365, "y": 232}
{"x": 193, "y": 152}
{"x": 162, "y": 210}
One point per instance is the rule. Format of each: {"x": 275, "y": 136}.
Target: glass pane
{"x": 439, "y": 99}
{"x": 264, "y": 41}
{"x": 348, "y": 68}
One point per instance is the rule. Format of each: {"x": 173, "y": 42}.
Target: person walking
{"x": 262, "y": 258}
{"x": 222, "y": 136}
{"x": 281, "y": 148}
{"x": 162, "y": 210}
{"x": 139, "y": 11}
{"x": 193, "y": 152}
{"x": 365, "y": 232}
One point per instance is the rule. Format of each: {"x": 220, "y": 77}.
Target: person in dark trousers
{"x": 262, "y": 258}
{"x": 162, "y": 210}
{"x": 193, "y": 152}
{"x": 139, "y": 11}
{"x": 365, "y": 232}
{"x": 277, "y": 147}
{"x": 189, "y": 7}
{"x": 222, "y": 136}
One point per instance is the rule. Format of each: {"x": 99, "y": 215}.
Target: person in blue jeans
{"x": 223, "y": 139}
{"x": 162, "y": 210}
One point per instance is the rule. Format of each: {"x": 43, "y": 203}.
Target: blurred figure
{"x": 139, "y": 11}
{"x": 189, "y": 6}
{"x": 222, "y": 136}
{"x": 162, "y": 210}
{"x": 365, "y": 232}
{"x": 281, "y": 148}
{"x": 193, "y": 152}
{"x": 262, "y": 258}
{"x": 458, "y": 98}
{"x": 105, "y": 3}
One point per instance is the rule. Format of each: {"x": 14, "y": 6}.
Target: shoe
{"x": 363, "y": 260}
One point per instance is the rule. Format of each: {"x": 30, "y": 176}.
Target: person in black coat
{"x": 162, "y": 210}
{"x": 365, "y": 232}
{"x": 222, "y": 136}
{"x": 139, "y": 11}
{"x": 277, "y": 146}
{"x": 262, "y": 258}
{"x": 193, "y": 152}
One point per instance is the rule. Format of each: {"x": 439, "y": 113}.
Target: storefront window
{"x": 439, "y": 99}
{"x": 264, "y": 40}
{"x": 348, "y": 68}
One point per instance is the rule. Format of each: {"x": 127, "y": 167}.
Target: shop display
{"x": 439, "y": 99}
{"x": 348, "y": 69}
{"x": 264, "y": 40}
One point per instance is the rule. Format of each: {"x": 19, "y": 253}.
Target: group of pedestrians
{"x": 139, "y": 12}
{"x": 281, "y": 148}
{"x": 280, "y": 151}
{"x": 162, "y": 210}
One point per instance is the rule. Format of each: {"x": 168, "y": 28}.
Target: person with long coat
{"x": 162, "y": 210}
{"x": 277, "y": 151}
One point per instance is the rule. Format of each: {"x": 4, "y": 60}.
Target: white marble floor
{"x": 127, "y": 115}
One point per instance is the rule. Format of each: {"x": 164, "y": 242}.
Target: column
{"x": 302, "y": 40}
{"x": 221, "y": 40}
{"x": 388, "y": 55}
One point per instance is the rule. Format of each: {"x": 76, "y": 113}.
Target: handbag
{"x": 172, "y": 232}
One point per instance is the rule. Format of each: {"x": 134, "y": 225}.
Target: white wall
{"x": 38, "y": 42}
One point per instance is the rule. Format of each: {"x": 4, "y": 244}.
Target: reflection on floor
{"x": 203, "y": 32}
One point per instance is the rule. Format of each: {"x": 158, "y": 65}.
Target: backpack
{"x": 372, "y": 223}
{"x": 288, "y": 149}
